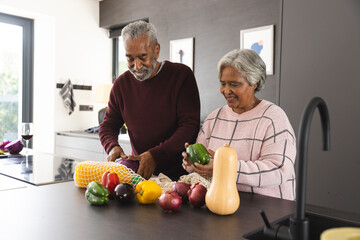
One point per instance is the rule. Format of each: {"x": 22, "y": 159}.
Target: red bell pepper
{"x": 110, "y": 181}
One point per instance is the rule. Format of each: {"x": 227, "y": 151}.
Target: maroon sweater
{"x": 161, "y": 114}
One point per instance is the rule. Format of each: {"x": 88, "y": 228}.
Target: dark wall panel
{"x": 215, "y": 25}
{"x": 321, "y": 57}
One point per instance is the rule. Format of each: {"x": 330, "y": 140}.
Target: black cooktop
{"x": 38, "y": 169}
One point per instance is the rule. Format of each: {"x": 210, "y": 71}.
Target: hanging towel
{"x": 68, "y": 96}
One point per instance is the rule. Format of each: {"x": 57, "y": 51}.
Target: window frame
{"x": 115, "y": 60}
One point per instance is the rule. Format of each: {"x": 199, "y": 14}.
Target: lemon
{"x": 342, "y": 233}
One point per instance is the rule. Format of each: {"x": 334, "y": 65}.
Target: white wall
{"x": 68, "y": 45}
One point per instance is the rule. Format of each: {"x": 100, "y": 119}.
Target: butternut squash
{"x": 222, "y": 197}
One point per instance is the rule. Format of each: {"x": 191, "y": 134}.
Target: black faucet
{"x": 299, "y": 225}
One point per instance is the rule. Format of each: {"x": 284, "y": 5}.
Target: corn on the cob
{"x": 88, "y": 171}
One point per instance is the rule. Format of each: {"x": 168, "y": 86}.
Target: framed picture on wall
{"x": 182, "y": 51}
{"x": 261, "y": 40}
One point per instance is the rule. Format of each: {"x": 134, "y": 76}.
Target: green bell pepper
{"x": 97, "y": 193}
{"x": 197, "y": 153}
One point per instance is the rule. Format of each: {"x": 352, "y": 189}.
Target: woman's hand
{"x": 211, "y": 153}
{"x": 186, "y": 162}
{"x": 203, "y": 170}
{"x": 206, "y": 171}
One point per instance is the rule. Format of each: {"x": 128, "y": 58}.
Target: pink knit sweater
{"x": 265, "y": 144}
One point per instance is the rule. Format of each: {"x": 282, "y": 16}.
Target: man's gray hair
{"x": 248, "y": 63}
{"x": 137, "y": 29}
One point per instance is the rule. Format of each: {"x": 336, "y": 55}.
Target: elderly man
{"x": 158, "y": 101}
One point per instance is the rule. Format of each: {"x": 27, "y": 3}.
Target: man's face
{"x": 141, "y": 55}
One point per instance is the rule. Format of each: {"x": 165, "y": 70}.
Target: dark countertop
{"x": 60, "y": 211}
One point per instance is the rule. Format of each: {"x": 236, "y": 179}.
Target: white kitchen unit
{"x": 85, "y": 146}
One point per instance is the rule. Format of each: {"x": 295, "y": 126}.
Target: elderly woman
{"x": 258, "y": 130}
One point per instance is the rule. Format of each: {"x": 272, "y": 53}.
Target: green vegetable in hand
{"x": 97, "y": 193}
{"x": 197, "y": 153}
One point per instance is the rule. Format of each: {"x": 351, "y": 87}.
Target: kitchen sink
{"x": 318, "y": 224}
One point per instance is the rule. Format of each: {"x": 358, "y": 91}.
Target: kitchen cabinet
{"x": 86, "y": 146}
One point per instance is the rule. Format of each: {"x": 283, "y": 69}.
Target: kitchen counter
{"x": 60, "y": 211}
{"x": 7, "y": 183}
{"x": 37, "y": 169}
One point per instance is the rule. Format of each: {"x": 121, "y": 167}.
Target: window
{"x": 16, "y": 74}
{"x": 119, "y": 60}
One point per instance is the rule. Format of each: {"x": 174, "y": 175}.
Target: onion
{"x": 133, "y": 165}
{"x": 182, "y": 189}
{"x": 3, "y": 144}
{"x": 170, "y": 201}
{"x": 197, "y": 195}
{"x": 15, "y": 146}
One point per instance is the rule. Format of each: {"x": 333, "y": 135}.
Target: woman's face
{"x": 239, "y": 94}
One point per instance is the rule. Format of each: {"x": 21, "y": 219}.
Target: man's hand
{"x": 147, "y": 164}
{"x": 115, "y": 153}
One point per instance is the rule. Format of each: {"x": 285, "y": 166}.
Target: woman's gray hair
{"x": 248, "y": 63}
{"x": 137, "y": 29}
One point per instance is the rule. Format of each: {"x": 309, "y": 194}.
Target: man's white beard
{"x": 147, "y": 71}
